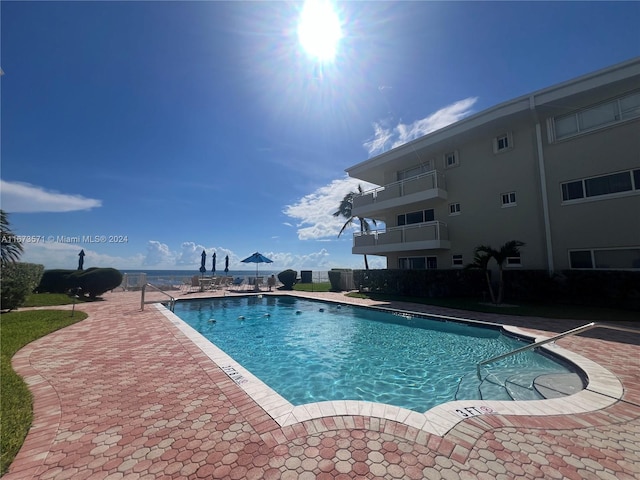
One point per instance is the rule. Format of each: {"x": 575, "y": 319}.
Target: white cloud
{"x": 385, "y": 138}
{"x": 158, "y": 254}
{"x": 17, "y": 197}
{"x": 65, "y": 255}
{"x": 189, "y": 254}
{"x": 314, "y": 212}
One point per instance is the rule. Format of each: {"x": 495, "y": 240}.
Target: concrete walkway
{"x": 125, "y": 394}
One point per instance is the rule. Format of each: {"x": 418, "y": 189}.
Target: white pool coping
{"x": 603, "y": 389}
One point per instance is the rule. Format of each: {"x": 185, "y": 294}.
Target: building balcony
{"x": 419, "y": 236}
{"x": 426, "y": 186}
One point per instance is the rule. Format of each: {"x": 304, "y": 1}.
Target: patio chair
{"x": 195, "y": 284}
{"x": 237, "y": 282}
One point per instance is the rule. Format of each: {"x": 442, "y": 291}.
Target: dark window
{"x": 415, "y": 217}
{"x": 636, "y": 178}
{"x": 514, "y": 260}
{"x": 618, "y": 182}
{"x": 572, "y": 190}
{"x": 580, "y": 259}
{"x": 432, "y": 262}
{"x": 429, "y": 215}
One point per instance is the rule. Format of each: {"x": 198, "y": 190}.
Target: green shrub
{"x": 334, "y": 278}
{"x": 18, "y": 281}
{"x": 55, "y": 281}
{"x": 288, "y": 279}
{"x": 93, "y": 281}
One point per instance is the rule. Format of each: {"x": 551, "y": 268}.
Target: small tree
{"x": 481, "y": 258}
{"x": 345, "y": 210}
{"x": 483, "y": 255}
{"x": 11, "y": 247}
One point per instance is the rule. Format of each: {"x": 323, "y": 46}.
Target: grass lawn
{"x": 544, "y": 310}
{"x": 16, "y": 412}
{"x": 49, "y": 299}
{"x": 313, "y": 287}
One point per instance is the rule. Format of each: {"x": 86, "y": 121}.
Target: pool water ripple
{"x": 310, "y": 351}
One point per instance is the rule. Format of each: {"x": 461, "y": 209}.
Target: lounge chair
{"x": 195, "y": 284}
{"x": 237, "y": 282}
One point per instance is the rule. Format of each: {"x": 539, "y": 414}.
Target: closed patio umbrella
{"x": 203, "y": 259}
{"x": 213, "y": 263}
{"x": 226, "y": 264}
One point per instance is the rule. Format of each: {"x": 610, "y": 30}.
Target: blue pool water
{"x": 311, "y": 351}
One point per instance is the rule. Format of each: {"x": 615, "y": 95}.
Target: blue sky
{"x": 191, "y": 125}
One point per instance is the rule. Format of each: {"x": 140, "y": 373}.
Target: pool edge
{"x": 603, "y": 389}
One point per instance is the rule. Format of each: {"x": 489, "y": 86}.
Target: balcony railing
{"x": 419, "y": 236}
{"x": 415, "y": 189}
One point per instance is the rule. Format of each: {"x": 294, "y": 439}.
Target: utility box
{"x": 306, "y": 276}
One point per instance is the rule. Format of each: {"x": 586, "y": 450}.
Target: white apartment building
{"x": 558, "y": 169}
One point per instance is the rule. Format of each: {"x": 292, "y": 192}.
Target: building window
{"x": 416, "y": 217}
{"x": 614, "y": 183}
{"x": 606, "y": 258}
{"x": 417, "y": 263}
{"x": 456, "y": 261}
{"x": 580, "y": 259}
{"x": 514, "y": 261}
{"x": 415, "y": 171}
{"x": 454, "y": 209}
{"x": 451, "y": 159}
{"x": 597, "y": 116}
{"x": 502, "y": 143}
{"x": 509, "y": 199}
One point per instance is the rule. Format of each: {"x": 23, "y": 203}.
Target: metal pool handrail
{"x": 172, "y": 300}
{"x": 531, "y": 346}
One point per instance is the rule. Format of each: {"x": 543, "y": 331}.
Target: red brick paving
{"x": 123, "y": 394}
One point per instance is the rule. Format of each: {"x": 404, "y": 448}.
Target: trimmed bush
{"x": 334, "y": 278}
{"x": 93, "y": 281}
{"x": 288, "y": 279}
{"x": 422, "y": 283}
{"x": 96, "y": 281}
{"x": 55, "y": 281}
{"x": 18, "y": 281}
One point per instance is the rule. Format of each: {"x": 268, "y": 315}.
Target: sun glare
{"x": 319, "y": 30}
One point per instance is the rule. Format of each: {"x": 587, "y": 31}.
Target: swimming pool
{"x": 310, "y": 351}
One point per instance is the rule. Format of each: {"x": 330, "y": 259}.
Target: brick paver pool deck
{"x": 126, "y": 394}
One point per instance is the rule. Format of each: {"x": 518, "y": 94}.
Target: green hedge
{"x": 92, "y": 282}
{"x": 334, "y": 278}
{"x": 422, "y": 283}
{"x": 18, "y": 281}
{"x": 616, "y": 289}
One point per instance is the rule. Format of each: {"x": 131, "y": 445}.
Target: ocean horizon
{"x": 190, "y": 273}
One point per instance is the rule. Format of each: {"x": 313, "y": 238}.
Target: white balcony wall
{"x": 421, "y": 236}
{"x": 426, "y": 186}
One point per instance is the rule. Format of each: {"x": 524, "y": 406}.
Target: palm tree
{"x": 11, "y": 247}
{"x": 345, "y": 209}
{"x": 483, "y": 254}
{"x": 481, "y": 258}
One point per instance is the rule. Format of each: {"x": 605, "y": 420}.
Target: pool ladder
{"x": 531, "y": 346}
{"x": 172, "y": 300}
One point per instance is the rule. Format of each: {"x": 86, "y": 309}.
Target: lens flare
{"x": 319, "y": 30}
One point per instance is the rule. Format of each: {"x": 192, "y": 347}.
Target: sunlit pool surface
{"x": 310, "y": 351}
